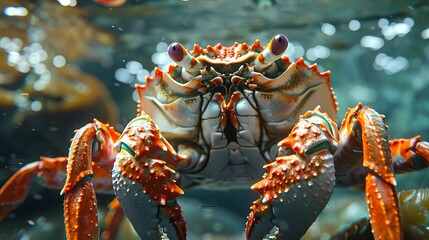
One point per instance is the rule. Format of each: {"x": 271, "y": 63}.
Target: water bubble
{"x": 21, "y": 100}
{"x": 389, "y": 64}
{"x": 401, "y": 29}
{"x": 290, "y": 49}
{"x": 372, "y": 42}
{"x": 322, "y": 51}
{"x": 354, "y": 25}
{"x": 388, "y": 32}
{"x": 34, "y": 58}
{"x": 141, "y": 76}
{"x": 39, "y": 68}
{"x": 16, "y": 11}
{"x": 161, "y": 47}
{"x": 299, "y": 51}
{"x": 31, "y": 222}
{"x": 23, "y": 67}
{"x": 134, "y": 67}
{"x": 409, "y": 21}
{"x": 70, "y": 3}
{"x": 318, "y": 51}
{"x": 383, "y": 22}
{"x": 13, "y": 58}
{"x": 35, "y": 47}
{"x": 59, "y": 61}
{"x": 39, "y": 85}
{"x": 122, "y": 75}
{"x": 36, "y": 106}
{"x": 310, "y": 55}
{"x": 425, "y": 33}
{"x": 43, "y": 55}
{"x": 328, "y": 29}
{"x": 4, "y": 41}
{"x": 18, "y": 42}
{"x": 160, "y": 58}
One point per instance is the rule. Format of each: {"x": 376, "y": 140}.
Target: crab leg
{"x": 52, "y": 172}
{"x": 14, "y": 192}
{"x": 113, "y": 220}
{"x": 414, "y": 206}
{"x": 363, "y": 135}
{"x": 302, "y": 177}
{"x": 409, "y": 154}
{"x": 92, "y": 144}
{"x": 143, "y": 181}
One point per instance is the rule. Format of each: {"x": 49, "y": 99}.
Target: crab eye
{"x": 176, "y": 52}
{"x": 279, "y": 44}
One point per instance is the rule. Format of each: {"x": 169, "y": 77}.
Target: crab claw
{"x": 144, "y": 184}
{"x": 290, "y": 184}
{"x": 304, "y": 180}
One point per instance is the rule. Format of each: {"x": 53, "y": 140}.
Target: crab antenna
{"x": 182, "y": 58}
{"x": 271, "y": 53}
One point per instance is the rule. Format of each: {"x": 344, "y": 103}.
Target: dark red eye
{"x": 279, "y": 44}
{"x": 176, "y": 52}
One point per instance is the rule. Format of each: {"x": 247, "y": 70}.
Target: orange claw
{"x": 363, "y": 130}
{"x": 260, "y": 214}
{"x": 80, "y": 204}
{"x": 143, "y": 181}
{"x": 301, "y": 177}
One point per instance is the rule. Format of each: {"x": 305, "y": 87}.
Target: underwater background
{"x": 64, "y": 63}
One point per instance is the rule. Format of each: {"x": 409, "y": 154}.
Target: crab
{"x": 227, "y": 117}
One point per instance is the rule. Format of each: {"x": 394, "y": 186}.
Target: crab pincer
{"x": 144, "y": 182}
{"x": 301, "y": 177}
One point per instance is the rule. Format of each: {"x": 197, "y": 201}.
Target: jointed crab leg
{"x": 15, "y": 190}
{"x": 409, "y": 154}
{"x": 363, "y": 136}
{"x": 91, "y": 146}
{"x": 113, "y": 220}
{"x": 52, "y": 173}
{"x": 143, "y": 181}
{"x": 414, "y": 205}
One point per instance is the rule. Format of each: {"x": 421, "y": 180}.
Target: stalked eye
{"x": 279, "y": 44}
{"x": 176, "y": 52}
